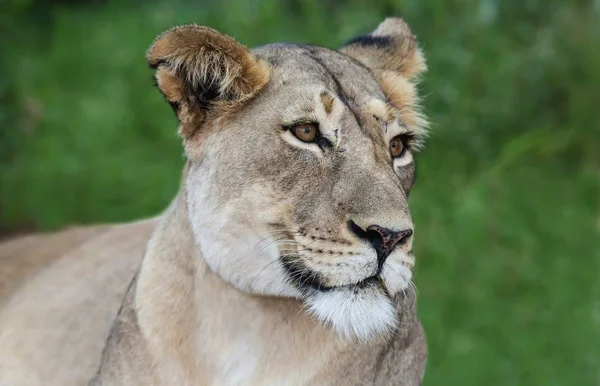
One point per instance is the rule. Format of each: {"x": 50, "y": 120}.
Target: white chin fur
{"x": 396, "y": 277}
{"x": 361, "y": 313}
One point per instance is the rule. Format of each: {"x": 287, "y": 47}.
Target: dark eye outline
{"x": 407, "y": 140}
{"x": 321, "y": 141}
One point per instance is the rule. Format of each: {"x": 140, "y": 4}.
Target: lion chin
{"x": 357, "y": 312}
{"x": 361, "y": 311}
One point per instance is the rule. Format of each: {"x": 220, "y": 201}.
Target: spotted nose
{"x": 383, "y": 240}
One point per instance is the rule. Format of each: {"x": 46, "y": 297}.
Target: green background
{"x": 507, "y": 198}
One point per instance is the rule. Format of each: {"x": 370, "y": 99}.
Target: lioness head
{"x": 300, "y": 162}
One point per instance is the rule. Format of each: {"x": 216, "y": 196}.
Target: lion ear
{"x": 392, "y": 53}
{"x": 203, "y": 73}
{"x": 391, "y": 47}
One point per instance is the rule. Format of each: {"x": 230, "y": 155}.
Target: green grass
{"x": 507, "y": 200}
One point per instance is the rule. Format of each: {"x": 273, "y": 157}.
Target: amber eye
{"x": 306, "y": 132}
{"x": 396, "y": 146}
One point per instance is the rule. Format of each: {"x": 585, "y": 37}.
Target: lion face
{"x": 300, "y": 166}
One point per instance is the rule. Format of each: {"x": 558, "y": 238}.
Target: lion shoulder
{"x": 60, "y": 295}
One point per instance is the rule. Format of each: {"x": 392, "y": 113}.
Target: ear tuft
{"x": 392, "y": 47}
{"x": 201, "y": 71}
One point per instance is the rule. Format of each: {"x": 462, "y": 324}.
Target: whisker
{"x": 273, "y": 234}
{"x": 278, "y": 259}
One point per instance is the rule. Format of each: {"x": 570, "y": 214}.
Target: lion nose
{"x": 385, "y": 240}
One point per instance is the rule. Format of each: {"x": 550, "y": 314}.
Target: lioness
{"x": 286, "y": 257}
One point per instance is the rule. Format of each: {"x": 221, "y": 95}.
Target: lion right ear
{"x": 391, "y": 52}
{"x": 391, "y": 47}
{"x": 203, "y": 74}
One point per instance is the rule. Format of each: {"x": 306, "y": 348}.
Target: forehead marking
{"x": 339, "y": 90}
{"x": 327, "y": 101}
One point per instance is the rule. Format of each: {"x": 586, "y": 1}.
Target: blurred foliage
{"x": 507, "y": 196}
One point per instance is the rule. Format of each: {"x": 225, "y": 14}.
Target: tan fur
{"x": 171, "y": 327}
{"x": 25, "y": 256}
{"x": 403, "y": 95}
{"x": 408, "y": 59}
{"x": 327, "y": 101}
{"x": 255, "y": 274}
{"x": 54, "y": 324}
{"x": 202, "y": 57}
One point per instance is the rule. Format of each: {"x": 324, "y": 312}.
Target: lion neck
{"x": 198, "y": 326}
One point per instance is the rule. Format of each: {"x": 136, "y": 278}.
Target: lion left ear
{"x": 391, "y": 47}
{"x": 203, "y": 74}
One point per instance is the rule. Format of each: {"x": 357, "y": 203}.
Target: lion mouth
{"x": 369, "y": 281}
{"x": 305, "y": 278}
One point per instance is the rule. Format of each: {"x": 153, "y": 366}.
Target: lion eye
{"x": 306, "y": 132}
{"x": 396, "y": 146}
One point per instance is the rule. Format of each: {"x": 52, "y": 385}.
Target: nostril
{"x": 384, "y": 240}
{"x": 376, "y": 240}
{"x": 358, "y": 231}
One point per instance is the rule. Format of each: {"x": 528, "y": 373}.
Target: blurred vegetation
{"x": 507, "y": 196}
